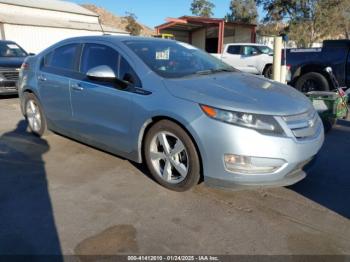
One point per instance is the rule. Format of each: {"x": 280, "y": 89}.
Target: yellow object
{"x": 165, "y": 36}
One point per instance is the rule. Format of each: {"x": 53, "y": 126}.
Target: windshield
{"x": 265, "y": 49}
{"x": 11, "y": 50}
{"x": 171, "y": 59}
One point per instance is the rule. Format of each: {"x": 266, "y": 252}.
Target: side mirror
{"x": 254, "y": 53}
{"x": 104, "y": 73}
{"x": 31, "y": 54}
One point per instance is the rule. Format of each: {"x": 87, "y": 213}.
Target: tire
{"x": 268, "y": 72}
{"x": 312, "y": 82}
{"x": 34, "y": 114}
{"x": 171, "y": 156}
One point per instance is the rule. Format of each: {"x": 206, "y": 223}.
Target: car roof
{"x": 116, "y": 38}
{"x": 252, "y": 44}
{"x": 7, "y": 42}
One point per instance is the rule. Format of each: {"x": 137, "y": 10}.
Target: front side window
{"x": 96, "y": 55}
{"x": 63, "y": 57}
{"x": 171, "y": 59}
{"x": 265, "y": 49}
{"x": 250, "y": 50}
{"x": 8, "y": 49}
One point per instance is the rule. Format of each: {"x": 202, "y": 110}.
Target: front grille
{"x": 9, "y": 74}
{"x": 304, "y": 125}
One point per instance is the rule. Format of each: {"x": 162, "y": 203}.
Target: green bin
{"x": 330, "y": 106}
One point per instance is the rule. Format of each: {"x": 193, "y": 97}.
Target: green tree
{"x": 132, "y": 26}
{"x": 202, "y": 8}
{"x": 309, "y": 21}
{"x": 243, "y": 11}
{"x": 340, "y": 18}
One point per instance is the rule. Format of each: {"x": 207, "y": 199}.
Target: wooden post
{"x": 277, "y": 58}
{"x": 221, "y": 36}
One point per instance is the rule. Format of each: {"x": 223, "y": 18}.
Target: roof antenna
{"x": 100, "y": 23}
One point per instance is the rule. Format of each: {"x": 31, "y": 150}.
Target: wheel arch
{"x": 266, "y": 67}
{"x": 151, "y": 122}
{"x": 312, "y": 68}
{"x": 25, "y": 90}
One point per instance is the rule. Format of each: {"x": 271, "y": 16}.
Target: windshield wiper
{"x": 213, "y": 71}
{"x": 222, "y": 70}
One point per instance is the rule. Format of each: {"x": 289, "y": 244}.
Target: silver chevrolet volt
{"x": 188, "y": 116}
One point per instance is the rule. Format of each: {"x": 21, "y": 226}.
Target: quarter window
{"x": 96, "y": 55}
{"x": 127, "y": 73}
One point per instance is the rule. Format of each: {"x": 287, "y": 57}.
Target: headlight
{"x": 262, "y": 123}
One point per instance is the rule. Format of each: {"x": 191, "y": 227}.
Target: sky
{"x": 153, "y": 12}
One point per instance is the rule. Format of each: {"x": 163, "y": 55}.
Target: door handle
{"x": 42, "y": 78}
{"x": 77, "y": 87}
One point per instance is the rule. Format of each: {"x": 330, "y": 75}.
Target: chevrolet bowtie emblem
{"x": 311, "y": 123}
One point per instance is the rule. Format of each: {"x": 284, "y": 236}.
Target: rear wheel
{"x": 312, "y": 82}
{"x": 34, "y": 115}
{"x": 268, "y": 72}
{"x": 171, "y": 156}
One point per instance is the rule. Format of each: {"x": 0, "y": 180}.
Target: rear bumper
{"x": 8, "y": 87}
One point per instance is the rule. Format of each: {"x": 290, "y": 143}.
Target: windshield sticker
{"x": 12, "y": 46}
{"x": 188, "y": 46}
{"x": 163, "y": 55}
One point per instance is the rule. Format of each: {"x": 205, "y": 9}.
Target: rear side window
{"x": 96, "y": 55}
{"x": 63, "y": 57}
{"x": 234, "y": 49}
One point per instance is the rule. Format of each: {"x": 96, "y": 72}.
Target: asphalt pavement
{"x": 58, "y": 196}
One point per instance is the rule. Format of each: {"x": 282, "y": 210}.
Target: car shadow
{"x": 8, "y": 96}
{"x": 27, "y": 225}
{"x": 328, "y": 178}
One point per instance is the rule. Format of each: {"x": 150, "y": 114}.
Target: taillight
{"x": 25, "y": 66}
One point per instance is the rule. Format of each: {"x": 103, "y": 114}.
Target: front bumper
{"x": 8, "y": 87}
{"x": 217, "y": 139}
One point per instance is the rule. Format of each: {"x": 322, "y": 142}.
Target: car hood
{"x": 240, "y": 92}
{"x": 11, "y": 62}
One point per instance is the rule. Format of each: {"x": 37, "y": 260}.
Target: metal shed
{"x": 209, "y": 34}
{"x": 37, "y": 24}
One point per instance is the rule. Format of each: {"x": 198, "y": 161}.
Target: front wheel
{"x": 34, "y": 114}
{"x": 268, "y": 72}
{"x": 171, "y": 156}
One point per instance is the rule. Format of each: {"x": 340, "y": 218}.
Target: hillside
{"x": 107, "y": 18}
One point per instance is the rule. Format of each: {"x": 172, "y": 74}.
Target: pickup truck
{"x": 307, "y": 66}
{"x": 11, "y": 59}
{"x": 248, "y": 57}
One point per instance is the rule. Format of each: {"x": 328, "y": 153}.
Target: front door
{"x": 250, "y": 59}
{"x": 101, "y": 111}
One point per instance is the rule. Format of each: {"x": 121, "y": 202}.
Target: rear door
{"x": 232, "y": 56}
{"x": 57, "y": 68}
{"x": 101, "y": 111}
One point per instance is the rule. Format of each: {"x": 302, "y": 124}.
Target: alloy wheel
{"x": 33, "y": 115}
{"x": 169, "y": 157}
